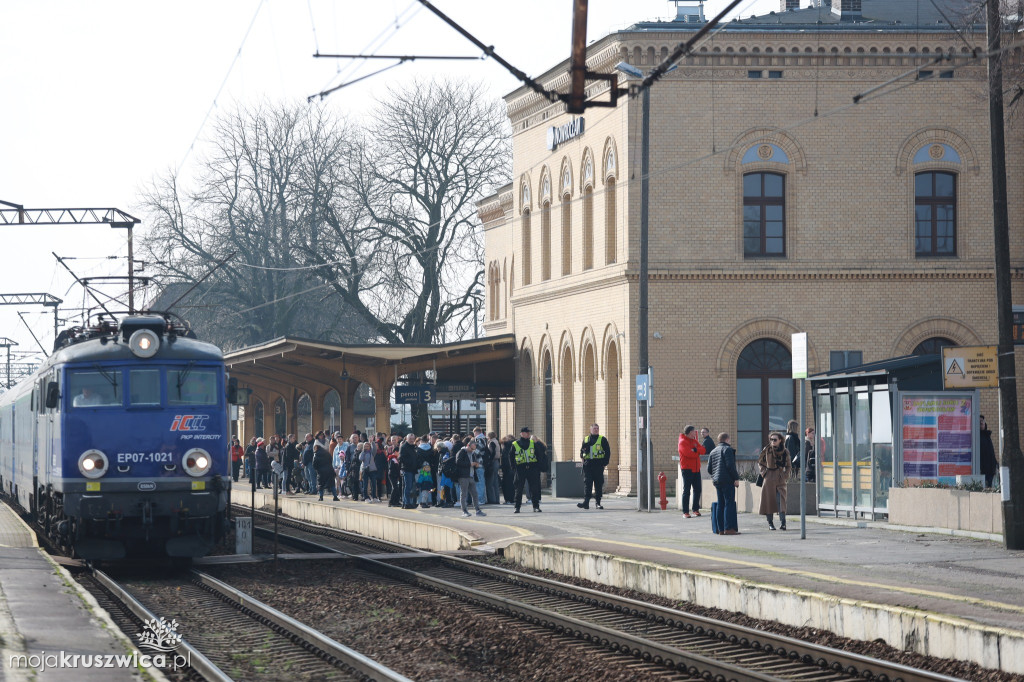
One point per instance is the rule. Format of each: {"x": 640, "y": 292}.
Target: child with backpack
{"x": 425, "y": 484}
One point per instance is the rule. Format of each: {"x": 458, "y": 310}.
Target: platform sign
{"x": 800, "y": 356}
{"x": 643, "y": 387}
{"x": 455, "y": 392}
{"x": 243, "y": 535}
{"x": 970, "y": 367}
{"x": 405, "y": 395}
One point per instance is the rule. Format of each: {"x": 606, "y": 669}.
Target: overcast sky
{"x": 99, "y": 97}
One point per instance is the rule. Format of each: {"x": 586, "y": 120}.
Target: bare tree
{"x": 269, "y": 170}
{"x": 403, "y": 249}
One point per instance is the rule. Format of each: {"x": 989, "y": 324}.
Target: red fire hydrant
{"x": 661, "y": 484}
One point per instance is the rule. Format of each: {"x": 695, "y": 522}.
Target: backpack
{"x": 448, "y": 468}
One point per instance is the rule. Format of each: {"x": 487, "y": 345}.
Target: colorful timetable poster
{"x": 936, "y": 438}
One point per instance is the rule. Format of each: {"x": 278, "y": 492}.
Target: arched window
{"x": 935, "y": 214}
{"x": 609, "y": 222}
{"x": 280, "y": 416}
{"x": 764, "y": 394}
{"x": 304, "y": 415}
{"x": 549, "y": 404}
{"x": 588, "y": 228}
{"x": 527, "y": 239}
{"x": 332, "y": 414}
{"x": 932, "y": 346}
{"x": 545, "y": 241}
{"x": 257, "y": 418}
{"x": 764, "y": 214}
{"x": 566, "y": 234}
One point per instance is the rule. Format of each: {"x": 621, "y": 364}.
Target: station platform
{"x": 46, "y": 619}
{"x": 931, "y": 593}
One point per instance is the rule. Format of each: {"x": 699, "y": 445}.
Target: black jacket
{"x": 262, "y": 461}
{"x": 409, "y": 457}
{"x": 307, "y": 454}
{"x": 988, "y": 464}
{"x": 463, "y": 464}
{"x": 291, "y": 453}
{"x": 599, "y": 462}
{"x": 708, "y": 444}
{"x": 322, "y": 458}
{"x": 793, "y": 446}
{"x": 722, "y": 465}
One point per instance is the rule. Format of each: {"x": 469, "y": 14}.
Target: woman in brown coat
{"x": 774, "y": 467}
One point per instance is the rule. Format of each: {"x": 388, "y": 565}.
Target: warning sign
{"x": 970, "y": 367}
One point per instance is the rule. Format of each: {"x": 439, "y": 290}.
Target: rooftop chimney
{"x": 846, "y": 9}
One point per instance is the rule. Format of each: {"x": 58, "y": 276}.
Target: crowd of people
{"x": 777, "y": 463}
{"x": 433, "y": 470}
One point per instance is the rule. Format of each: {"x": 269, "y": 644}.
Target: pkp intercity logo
{"x": 189, "y": 422}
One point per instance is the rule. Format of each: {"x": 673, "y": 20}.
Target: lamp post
{"x": 645, "y": 464}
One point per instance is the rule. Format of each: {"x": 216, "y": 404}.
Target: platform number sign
{"x": 643, "y": 388}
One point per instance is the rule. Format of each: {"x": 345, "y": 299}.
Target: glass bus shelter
{"x": 887, "y": 423}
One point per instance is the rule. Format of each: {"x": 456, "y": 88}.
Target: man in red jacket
{"x": 690, "y": 451}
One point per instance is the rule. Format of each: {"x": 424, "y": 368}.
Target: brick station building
{"x": 777, "y": 205}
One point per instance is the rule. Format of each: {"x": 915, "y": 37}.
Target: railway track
{"x": 230, "y": 635}
{"x": 685, "y": 643}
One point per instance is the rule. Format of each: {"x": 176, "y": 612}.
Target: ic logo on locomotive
{"x": 189, "y": 422}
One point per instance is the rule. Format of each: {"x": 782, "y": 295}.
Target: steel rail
{"x": 805, "y": 651}
{"x": 200, "y": 663}
{"x": 349, "y": 657}
{"x": 618, "y": 641}
{"x": 826, "y": 659}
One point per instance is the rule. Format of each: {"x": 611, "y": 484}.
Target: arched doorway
{"x": 280, "y": 416}
{"x": 932, "y": 346}
{"x": 611, "y": 425}
{"x": 568, "y": 404}
{"x": 257, "y": 419}
{"x": 765, "y": 396}
{"x": 304, "y": 415}
{"x": 332, "y": 414}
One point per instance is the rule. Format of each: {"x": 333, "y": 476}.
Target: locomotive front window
{"x": 144, "y": 386}
{"x": 192, "y": 387}
{"x": 94, "y": 388}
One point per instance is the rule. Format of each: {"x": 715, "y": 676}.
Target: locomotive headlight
{"x": 196, "y": 462}
{"x": 93, "y": 464}
{"x": 144, "y": 343}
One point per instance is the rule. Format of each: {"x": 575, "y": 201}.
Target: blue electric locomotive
{"x": 118, "y": 444}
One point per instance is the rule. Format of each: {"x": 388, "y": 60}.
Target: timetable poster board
{"x": 936, "y": 438}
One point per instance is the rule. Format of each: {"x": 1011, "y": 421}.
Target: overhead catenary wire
{"x": 213, "y": 104}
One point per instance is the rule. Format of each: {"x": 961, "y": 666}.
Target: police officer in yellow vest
{"x": 595, "y": 452}
{"x": 529, "y": 457}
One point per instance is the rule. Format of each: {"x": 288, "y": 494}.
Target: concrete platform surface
{"x": 46, "y": 619}
{"x": 916, "y": 590}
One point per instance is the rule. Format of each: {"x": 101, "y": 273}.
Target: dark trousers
{"x": 528, "y": 474}
{"x": 409, "y": 488}
{"x": 593, "y": 483}
{"x": 726, "y": 496}
{"x": 691, "y": 481}
{"x": 508, "y": 484}
{"x": 326, "y": 477}
{"x": 236, "y": 466}
{"x": 396, "y": 493}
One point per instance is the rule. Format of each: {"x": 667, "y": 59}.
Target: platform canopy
{"x": 291, "y": 366}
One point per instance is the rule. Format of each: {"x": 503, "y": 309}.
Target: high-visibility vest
{"x": 596, "y": 451}
{"x": 527, "y": 456}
